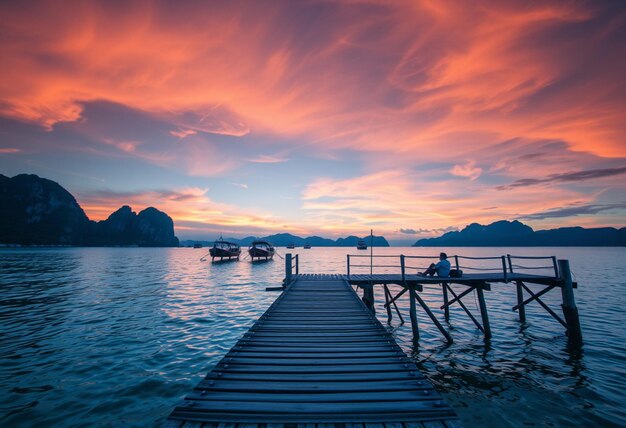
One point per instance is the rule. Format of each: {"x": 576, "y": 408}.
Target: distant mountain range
{"x": 37, "y": 211}
{"x": 284, "y": 239}
{"x": 515, "y": 234}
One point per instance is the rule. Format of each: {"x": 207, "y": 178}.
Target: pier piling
{"x": 570, "y": 311}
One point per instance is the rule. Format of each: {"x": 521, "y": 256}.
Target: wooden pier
{"x": 317, "y": 356}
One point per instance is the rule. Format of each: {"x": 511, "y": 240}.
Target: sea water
{"x": 118, "y": 336}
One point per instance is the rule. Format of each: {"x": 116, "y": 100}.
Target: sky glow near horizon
{"x": 322, "y": 117}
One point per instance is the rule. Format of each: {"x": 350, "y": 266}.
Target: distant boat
{"x": 225, "y": 250}
{"x": 291, "y": 246}
{"x": 307, "y": 246}
{"x": 361, "y": 245}
{"x": 261, "y": 250}
{"x": 197, "y": 245}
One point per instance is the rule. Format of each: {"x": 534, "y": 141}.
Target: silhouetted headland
{"x": 38, "y": 211}
{"x": 516, "y": 234}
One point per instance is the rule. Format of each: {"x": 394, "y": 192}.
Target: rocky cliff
{"x": 37, "y": 211}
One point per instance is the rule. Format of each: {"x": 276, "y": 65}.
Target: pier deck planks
{"x": 316, "y": 357}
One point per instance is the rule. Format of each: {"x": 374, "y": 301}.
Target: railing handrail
{"x": 480, "y": 258}
{"x": 375, "y": 255}
{"x": 529, "y": 257}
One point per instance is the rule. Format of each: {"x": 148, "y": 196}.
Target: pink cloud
{"x": 269, "y": 159}
{"x": 468, "y": 170}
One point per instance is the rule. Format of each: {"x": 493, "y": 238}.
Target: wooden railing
{"x": 506, "y": 264}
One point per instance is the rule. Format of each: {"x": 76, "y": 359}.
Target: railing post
{"x": 520, "y": 301}
{"x": 348, "y": 264}
{"x": 483, "y": 311}
{"x": 570, "y": 311}
{"x": 508, "y": 257}
{"x": 506, "y": 277}
{"x": 556, "y": 267}
{"x": 297, "y": 264}
{"x": 446, "y": 309}
{"x": 456, "y": 262}
{"x": 287, "y": 269}
{"x": 413, "y": 314}
{"x": 412, "y": 298}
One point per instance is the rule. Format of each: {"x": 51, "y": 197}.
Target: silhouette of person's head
{"x": 443, "y": 256}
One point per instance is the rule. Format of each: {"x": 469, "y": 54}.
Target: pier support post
{"x": 287, "y": 269}
{"x": 570, "y": 311}
{"x": 446, "y": 310}
{"x": 368, "y": 297}
{"x": 483, "y": 312}
{"x": 413, "y": 314}
{"x": 520, "y": 301}
{"x": 388, "y": 304}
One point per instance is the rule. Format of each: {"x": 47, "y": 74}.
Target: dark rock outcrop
{"x": 37, "y": 211}
{"x": 515, "y": 234}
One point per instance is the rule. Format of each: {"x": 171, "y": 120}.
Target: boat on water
{"x": 291, "y": 246}
{"x": 307, "y": 246}
{"x": 225, "y": 250}
{"x": 361, "y": 245}
{"x": 261, "y": 250}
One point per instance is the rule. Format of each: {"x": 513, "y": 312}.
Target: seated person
{"x": 442, "y": 268}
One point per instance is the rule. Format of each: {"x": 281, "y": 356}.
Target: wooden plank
{"x": 317, "y": 357}
{"x": 274, "y": 386}
{"x": 267, "y": 407}
{"x": 317, "y": 377}
{"x": 335, "y": 368}
{"x": 241, "y": 360}
{"x": 433, "y": 424}
{"x": 309, "y": 397}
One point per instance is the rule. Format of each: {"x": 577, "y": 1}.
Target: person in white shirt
{"x": 442, "y": 268}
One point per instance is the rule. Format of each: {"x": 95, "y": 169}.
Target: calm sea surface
{"x": 117, "y": 336}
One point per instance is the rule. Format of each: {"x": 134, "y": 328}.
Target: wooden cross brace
{"x": 535, "y": 296}
{"x": 479, "y": 287}
{"x": 389, "y": 300}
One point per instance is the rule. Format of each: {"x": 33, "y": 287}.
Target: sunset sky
{"x": 322, "y": 117}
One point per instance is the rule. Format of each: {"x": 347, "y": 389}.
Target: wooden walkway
{"x": 317, "y": 356}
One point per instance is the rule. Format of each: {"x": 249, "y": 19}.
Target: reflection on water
{"x": 121, "y": 335}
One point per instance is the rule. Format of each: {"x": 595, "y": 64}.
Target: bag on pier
{"x": 456, "y": 273}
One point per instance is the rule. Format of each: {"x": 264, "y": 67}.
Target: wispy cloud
{"x": 421, "y": 231}
{"x": 468, "y": 170}
{"x": 9, "y": 150}
{"x": 568, "y": 177}
{"x": 182, "y": 133}
{"x": 576, "y": 210}
{"x": 269, "y": 159}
